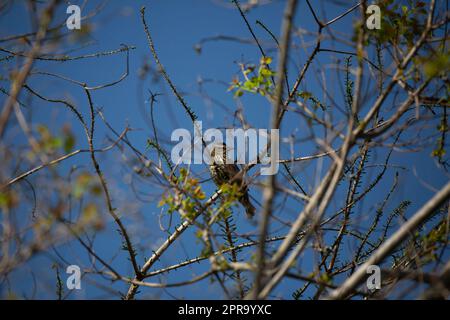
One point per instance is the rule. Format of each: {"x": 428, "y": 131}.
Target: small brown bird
{"x": 222, "y": 172}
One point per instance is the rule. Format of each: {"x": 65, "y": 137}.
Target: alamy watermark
{"x": 374, "y": 280}
{"x": 243, "y": 146}
{"x": 74, "y": 20}
{"x": 374, "y": 20}
{"x": 74, "y": 280}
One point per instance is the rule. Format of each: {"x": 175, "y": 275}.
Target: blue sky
{"x": 177, "y": 27}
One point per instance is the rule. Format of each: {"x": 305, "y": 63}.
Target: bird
{"x": 222, "y": 172}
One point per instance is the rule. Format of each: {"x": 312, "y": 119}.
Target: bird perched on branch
{"x": 223, "y": 172}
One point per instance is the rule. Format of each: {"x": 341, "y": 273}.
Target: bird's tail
{"x": 249, "y": 208}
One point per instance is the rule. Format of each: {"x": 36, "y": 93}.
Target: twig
{"x": 389, "y": 245}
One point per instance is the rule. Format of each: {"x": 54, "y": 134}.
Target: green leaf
{"x": 69, "y": 142}
{"x": 305, "y": 95}
{"x": 266, "y": 60}
{"x": 266, "y": 72}
{"x": 437, "y": 64}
